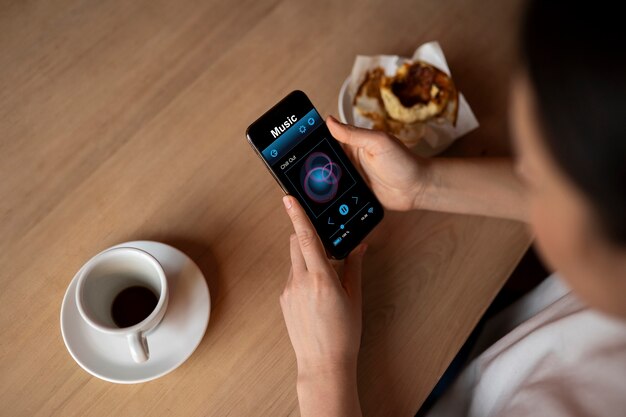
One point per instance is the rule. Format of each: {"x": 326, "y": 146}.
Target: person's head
{"x": 569, "y": 125}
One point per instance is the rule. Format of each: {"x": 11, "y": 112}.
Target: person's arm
{"x": 322, "y": 311}
{"x": 481, "y": 186}
{"x": 329, "y": 393}
{"x": 403, "y": 181}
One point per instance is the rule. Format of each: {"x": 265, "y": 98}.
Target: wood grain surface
{"x": 124, "y": 120}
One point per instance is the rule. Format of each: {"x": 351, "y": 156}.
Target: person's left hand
{"x": 322, "y": 311}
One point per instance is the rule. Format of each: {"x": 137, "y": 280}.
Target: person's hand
{"x": 322, "y": 311}
{"x": 396, "y": 175}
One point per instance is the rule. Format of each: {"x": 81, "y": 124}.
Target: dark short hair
{"x": 575, "y": 57}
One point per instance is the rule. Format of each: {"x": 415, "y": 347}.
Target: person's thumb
{"x": 352, "y": 269}
{"x": 353, "y": 136}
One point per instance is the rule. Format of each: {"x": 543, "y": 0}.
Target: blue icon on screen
{"x": 337, "y": 241}
{"x": 343, "y": 209}
{"x": 274, "y": 153}
{"x": 302, "y": 129}
{"x": 370, "y": 210}
{"x": 311, "y": 121}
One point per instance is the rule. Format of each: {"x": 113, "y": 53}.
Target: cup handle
{"x": 138, "y": 347}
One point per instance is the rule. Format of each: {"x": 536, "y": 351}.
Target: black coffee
{"x": 132, "y": 305}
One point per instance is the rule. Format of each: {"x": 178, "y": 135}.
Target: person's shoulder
{"x": 591, "y": 386}
{"x": 580, "y": 371}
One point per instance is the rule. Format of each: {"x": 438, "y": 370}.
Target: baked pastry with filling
{"x": 419, "y": 92}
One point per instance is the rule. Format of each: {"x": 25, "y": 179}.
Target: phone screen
{"x": 308, "y": 163}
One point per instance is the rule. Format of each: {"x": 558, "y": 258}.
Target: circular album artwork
{"x": 320, "y": 177}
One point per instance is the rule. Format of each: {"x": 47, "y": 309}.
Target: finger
{"x": 288, "y": 281}
{"x": 354, "y": 136}
{"x": 310, "y": 244}
{"x": 362, "y": 170}
{"x": 352, "y": 272}
{"x": 284, "y": 294}
{"x": 297, "y": 260}
{"x": 354, "y": 155}
{"x": 350, "y": 151}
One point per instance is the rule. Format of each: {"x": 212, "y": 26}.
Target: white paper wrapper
{"x": 436, "y": 136}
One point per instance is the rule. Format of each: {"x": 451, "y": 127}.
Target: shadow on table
{"x": 379, "y": 362}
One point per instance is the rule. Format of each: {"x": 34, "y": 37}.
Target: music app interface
{"x": 312, "y": 166}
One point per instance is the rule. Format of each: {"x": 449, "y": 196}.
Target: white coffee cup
{"x": 104, "y": 277}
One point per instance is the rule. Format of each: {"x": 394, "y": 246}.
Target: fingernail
{"x": 287, "y": 202}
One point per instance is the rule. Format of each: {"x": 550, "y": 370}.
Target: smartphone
{"x": 295, "y": 144}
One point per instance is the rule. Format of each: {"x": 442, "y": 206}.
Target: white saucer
{"x": 171, "y": 342}
{"x": 345, "y": 103}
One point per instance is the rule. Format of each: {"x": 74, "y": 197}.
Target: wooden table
{"x": 124, "y": 120}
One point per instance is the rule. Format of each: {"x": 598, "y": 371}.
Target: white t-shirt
{"x": 560, "y": 359}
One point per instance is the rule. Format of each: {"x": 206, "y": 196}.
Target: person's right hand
{"x": 396, "y": 175}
